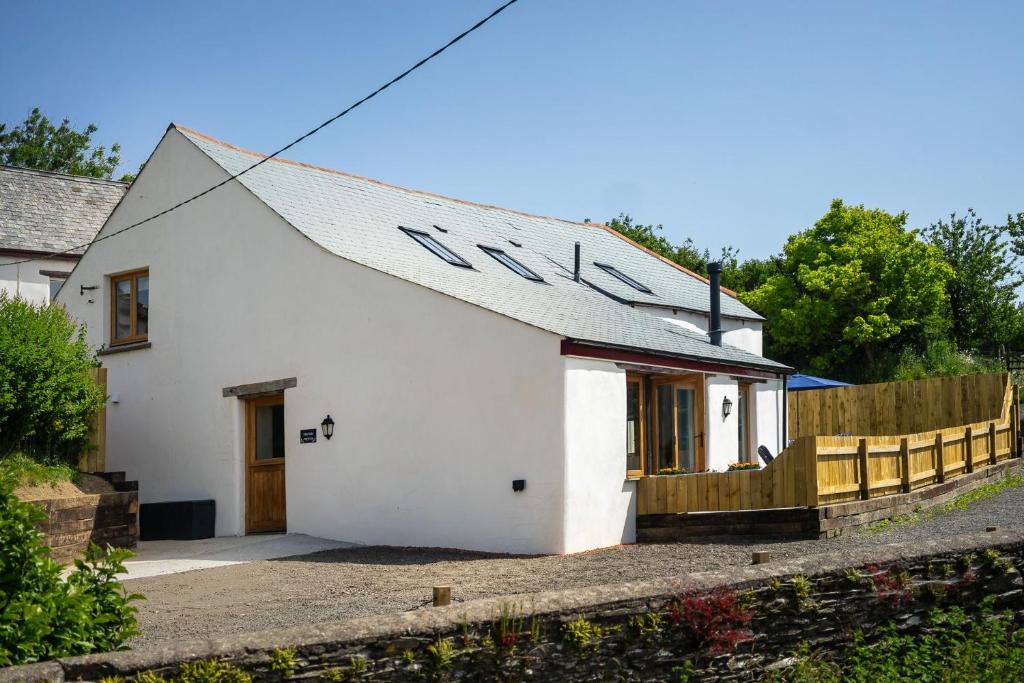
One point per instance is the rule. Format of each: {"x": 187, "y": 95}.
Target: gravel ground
{"x": 338, "y": 584}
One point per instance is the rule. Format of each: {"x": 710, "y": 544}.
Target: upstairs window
{"x": 428, "y": 241}
{"x": 129, "y": 307}
{"x": 510, "y": 263}
{"x": 615, "y": 272}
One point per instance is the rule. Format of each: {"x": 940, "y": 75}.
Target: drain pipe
{"x": 576, "y": 266}
{"x": 715, "y": 328}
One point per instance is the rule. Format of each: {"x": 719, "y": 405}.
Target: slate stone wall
{"x": 608, "y": 633}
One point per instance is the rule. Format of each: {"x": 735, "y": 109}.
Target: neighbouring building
{"x": 479, "y": 388}
{"x": 44, "y": 213}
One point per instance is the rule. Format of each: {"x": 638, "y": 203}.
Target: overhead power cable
{"x": 291, "y": 144}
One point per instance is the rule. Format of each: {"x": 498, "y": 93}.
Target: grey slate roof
{"x": 358, "y": 219}
{"x": 51, "y": 212}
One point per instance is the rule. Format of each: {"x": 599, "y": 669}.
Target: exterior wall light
{"x": 726, "y": 408}
{"x": 327, "y": 427}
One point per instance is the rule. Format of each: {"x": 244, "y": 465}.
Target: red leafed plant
{"x": 717, "y": 620}
{"x": 891, "y": 589}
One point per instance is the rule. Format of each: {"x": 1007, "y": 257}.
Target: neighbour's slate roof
{"x": 358, "y": 219}
{"x": 52, "y": 212}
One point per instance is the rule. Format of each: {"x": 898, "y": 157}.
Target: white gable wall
{"x": 439, "y": 405}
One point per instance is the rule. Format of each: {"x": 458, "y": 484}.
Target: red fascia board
{"x": 573, "y": 348}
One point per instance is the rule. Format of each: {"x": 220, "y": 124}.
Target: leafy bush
{"x": 941, "y": 359}
{"x": 987, "y": 648}
{"x": 47, "y": 395}
{"x": 43, "y": 617}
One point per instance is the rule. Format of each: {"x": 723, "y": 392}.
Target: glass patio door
{"x": 679, "y": 428}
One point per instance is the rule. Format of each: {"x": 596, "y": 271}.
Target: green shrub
{"x": 211, "y": 671}
{"x": 47, "y": 395}
{"x": 941, "y": 359}
{"x": 43, "y": 617}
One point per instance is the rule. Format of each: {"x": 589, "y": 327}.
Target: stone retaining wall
{"x": 825, "y": 521}
{"x": 818, "y": 599}
{"x": 103, "y": 518}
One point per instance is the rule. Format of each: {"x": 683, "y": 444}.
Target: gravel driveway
{"x": 337, "y": 584}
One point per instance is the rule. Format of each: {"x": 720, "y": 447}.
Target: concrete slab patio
{"x": 157, "y": 558}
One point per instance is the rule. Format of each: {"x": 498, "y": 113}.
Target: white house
{"x": 452, "y": 344}
{"x": 42, "y": 213}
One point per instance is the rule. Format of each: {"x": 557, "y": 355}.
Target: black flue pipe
{"x": 715, "y": 328}
{"x": 576, "y": 266}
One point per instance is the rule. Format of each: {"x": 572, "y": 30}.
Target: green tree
{"x": 851, "y": 292}
{"x": 983, "y": 309}
{"x": 37, "y": 143}
{"x": 47, "y": 395}
{"x": 736, "y": 275}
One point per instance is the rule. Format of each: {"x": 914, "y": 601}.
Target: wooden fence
{"x": 95, "y": 458}
{"x": 820, "y": 470}
{"x": 897, "y": 407}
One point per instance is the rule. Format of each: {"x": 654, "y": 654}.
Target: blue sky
{"x": 728, "y": 122}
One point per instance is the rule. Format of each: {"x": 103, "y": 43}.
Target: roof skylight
{"x": 615, "y": 272}
{"x": 510, "y": 263}
{"x": 436, "y": 247}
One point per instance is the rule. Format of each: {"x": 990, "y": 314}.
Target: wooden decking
{"x": 827, "y": 470}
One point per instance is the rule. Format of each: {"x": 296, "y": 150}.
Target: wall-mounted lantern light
{"x": 726, "y": 408}
{"x": 327, "y": 427}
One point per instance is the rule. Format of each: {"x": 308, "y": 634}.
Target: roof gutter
{"x": 622, "y": 354}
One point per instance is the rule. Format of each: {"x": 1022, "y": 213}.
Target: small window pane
{"x": 666, "y": 428}
{"x": 615, "y": 272}
{"x": 269, "y": 432}
{"x": 436, "y": 247}
{"x": 55, "y": 284}
{"x": 142, "y": 305}
{"x": 685, "y": 414}
{"x": 512, "y": 264}
{"x": 743, "y": 431}
{"x": 122, "y": 308}
{"x": 632, "y": 426}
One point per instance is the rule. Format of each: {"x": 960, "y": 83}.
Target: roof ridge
{"x": 600, "y": 226}
{"x": 69, "y": 176}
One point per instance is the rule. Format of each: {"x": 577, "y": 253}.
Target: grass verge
{"x": 27, "y": 471}
{"x": 959, "y": 503}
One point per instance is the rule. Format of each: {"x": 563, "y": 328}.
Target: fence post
{"x": 969, "y": 449}
{"x": 905, "y": 464}
{"x": 862, "y": 456}
{"x": 940, "y": 458}
{"x": 992, "y": 443}
{"x": 1014, "y": 423}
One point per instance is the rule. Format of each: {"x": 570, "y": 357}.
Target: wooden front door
{"x": 264, "y": 464}
{"x": 679, "y": 423}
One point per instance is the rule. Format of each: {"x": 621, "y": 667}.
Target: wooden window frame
{"x": 694, "y": 382}
{"x": 133, "y": 278}
{"x": 743, "y": 390}
{"x": 642, "y": 419}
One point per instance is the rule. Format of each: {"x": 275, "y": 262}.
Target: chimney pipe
{"x": 715, "y": 328}
{"x": 576, "y": 266}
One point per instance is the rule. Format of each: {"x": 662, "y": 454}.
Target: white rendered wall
{"x": 439, "y": 405}
{"x": 768, "y": 409}
{"x": 722, "y": 435}
{"x": 599, "y": 504}
{"x": 25, "y": 280}
{"x": 743, "y": 334}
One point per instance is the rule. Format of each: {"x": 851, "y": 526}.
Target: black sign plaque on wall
{"x": 307, "y": 436}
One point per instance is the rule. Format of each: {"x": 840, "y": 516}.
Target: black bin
{"x": 184, "y": 520}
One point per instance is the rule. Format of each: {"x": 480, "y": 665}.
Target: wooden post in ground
{"x": 992, "y": 443}
{"x": 905, "y": 464}
{"x": 442, "y": 596}
{"x": 1014, "y": 423}
{"x": 761, "y": 557}
{"x": 969, "y": 449}
{"x": 940, "y": 458}
{"x": 862, "y": 458}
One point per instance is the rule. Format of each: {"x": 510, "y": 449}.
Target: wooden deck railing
{"x": 820, "y": 470}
